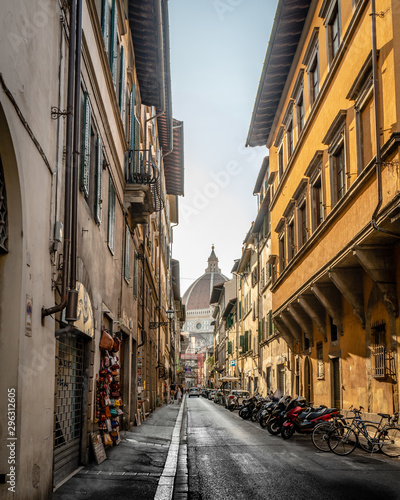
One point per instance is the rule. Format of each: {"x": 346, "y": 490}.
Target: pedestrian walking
{"x": 179, "y": 395}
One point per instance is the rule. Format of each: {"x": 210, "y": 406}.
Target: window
{"x": 135, "y": 275}
{"x": 282, "y": 255}
{"x": 98, "y": 201}
{"x": 378, "y": 349}
{"x": 300, "y": 111}
{"x": 127, "y": 256}
{"x": 122, "y": 85}
{"x": 86, "y": 144}
{"x": 291, "y": 239}
{"x": 289, "y": 137}
{"x": 320, "y": 361}
{"x": 109, "y": 26}
{"x": 314, "y": 79}
{"x": 314, "y": 172}
{"x": 281, "y": 165}
{"x": 302, "y": 222}
{"x": 331, "y": 13}
{"x": 269, "y": 379}
{"x": 333, "y": 330}
{"x": 335, "y": 139}
{"x": 339, "y": 172}
{"x": 111, "y": 217}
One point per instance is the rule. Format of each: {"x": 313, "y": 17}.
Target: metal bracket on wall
{"x": 56, "y": 113}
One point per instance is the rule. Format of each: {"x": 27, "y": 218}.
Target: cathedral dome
{"x": 197, "y": 296}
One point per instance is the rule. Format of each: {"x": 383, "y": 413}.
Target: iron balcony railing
{"x": 140, "y": 169}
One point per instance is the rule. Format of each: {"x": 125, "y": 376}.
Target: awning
{"x": 262, "y": 213}
{"x": 174, "y": 163}
{"x": 229, "y": 379}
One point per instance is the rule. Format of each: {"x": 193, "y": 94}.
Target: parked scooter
{"x": 276, "y": 419}
{"x": 247, "y": 407}
{"x": 298, "y": 420}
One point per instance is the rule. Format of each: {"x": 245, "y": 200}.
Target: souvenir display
{"x": 108, "y": 412}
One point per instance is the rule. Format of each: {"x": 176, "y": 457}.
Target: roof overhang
{"x": 145, "y": 21}
{"x": 229, "y": 307}
{"x": 244, "y": 260}
{"x": 174, "y": 162}
{"x": 261, "y": 175}
{"x": 288, "y": 25}
{"x": 216, "y": 293}
{"x": 262, "y": 213}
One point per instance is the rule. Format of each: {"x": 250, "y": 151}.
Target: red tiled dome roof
{"x": 197, "y": 296}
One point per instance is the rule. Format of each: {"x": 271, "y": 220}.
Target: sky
{"x": 217, "y": 53}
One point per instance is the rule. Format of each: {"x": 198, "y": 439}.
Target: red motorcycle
{"x": 298, "y": 420}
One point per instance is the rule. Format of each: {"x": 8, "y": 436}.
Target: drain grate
{"x": 119, "y": 473}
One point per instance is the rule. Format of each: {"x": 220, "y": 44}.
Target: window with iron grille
{"x": 320, "y": 361}
{"x": 135, "y": 275}
{"x": 3, "y": 213}
{"x": 378, "y": 350}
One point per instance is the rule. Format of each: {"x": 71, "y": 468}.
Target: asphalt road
{"x": 229, "y": 458}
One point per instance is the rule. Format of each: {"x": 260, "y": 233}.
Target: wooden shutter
{"x": 105, "y": 24}
{"x": 270, "y": 323}
{"x": 111, "y": 216}
{"x": 136, "y": 166}
{"x": 127, "y": 266}
{"x": 114, "y": 43}
{"x": 242, "y": 343}
{"x": 99, "y": 173}
{"x": 122, "y": 85}
{"x": 135, "y": 275}
{"x": 85, "y": 154}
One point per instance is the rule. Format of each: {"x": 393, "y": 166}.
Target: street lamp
{"x": 155, "y": 324}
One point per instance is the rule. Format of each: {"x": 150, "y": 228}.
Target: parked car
{"x": 241, "y": 394}
{"x": 194, "y": 391}
{"x": 211, "y": 394}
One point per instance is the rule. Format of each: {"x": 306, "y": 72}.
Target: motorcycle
{"x": 275, "y": 421}
{"x": 298, "y": 420}
{"x": 247, "y": 408}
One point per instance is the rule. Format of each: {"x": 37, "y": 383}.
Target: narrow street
{"x": 230, "y": 458}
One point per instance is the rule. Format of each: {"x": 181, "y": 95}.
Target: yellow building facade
{"x": 326, "y": 109}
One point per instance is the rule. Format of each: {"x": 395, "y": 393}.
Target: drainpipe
{"x": 377, "y": 126}
{"x": 67, "y": 203}
{"x": 71, "y": 312}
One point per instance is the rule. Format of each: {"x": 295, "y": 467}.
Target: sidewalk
{"x": 133, "y": 468}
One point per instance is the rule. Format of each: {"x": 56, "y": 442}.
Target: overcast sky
{"x": 217, "y": 52}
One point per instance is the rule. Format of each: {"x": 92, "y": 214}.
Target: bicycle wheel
{"x": 342, "y": 440}
{"x": 389, "y": 441}
{"x": 368, "y": 438}
{"x": 320, "y": 435}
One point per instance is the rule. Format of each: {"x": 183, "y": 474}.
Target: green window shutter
{"x": 270, "y": 322}
{"x": 85, "y": 154}
{"x": 99, "y": 173}
{"x": 114, "y": 43}
{"x": 137, "y": 157}
{"x": 229, "y": 347}
{"x": 246, "y": 341}
{"x": 122, "y": 85}
{"x": 127, "y": 266}
{"x": 111, "y": 216}
{"x": 242, "y": 343}
{"x": 105, "y": 24}
{"x": 260, "y": 339}
{"x": 240, "y": 310}
{"x": 135, "y": 275}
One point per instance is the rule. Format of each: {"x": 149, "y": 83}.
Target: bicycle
{"x": 321, "y": 432}
{"x": 389, "y": 436}
{"x": 344, "y": 440}
{"x": 370, "y": 436}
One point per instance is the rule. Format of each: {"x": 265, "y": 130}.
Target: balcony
{"x": 142, "y": 193}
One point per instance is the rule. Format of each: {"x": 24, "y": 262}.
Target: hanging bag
{"x": 106, "y": 341}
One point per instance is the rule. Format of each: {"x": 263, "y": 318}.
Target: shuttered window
{"x": 111, "y": 216}
{"x": 85, "y": 151}
{"x": 127, "y": 262}
{"x": 122, "y": 86}
{"x": 135, "y": 275}
{"x": 105, "y": 24}
{"x": 98, "y": 179}
{"x": 114, "y": 43}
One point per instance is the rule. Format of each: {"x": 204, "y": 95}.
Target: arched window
{"x": 3, "y": 213}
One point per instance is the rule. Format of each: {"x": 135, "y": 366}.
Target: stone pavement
{"x": 150, "y": 462}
